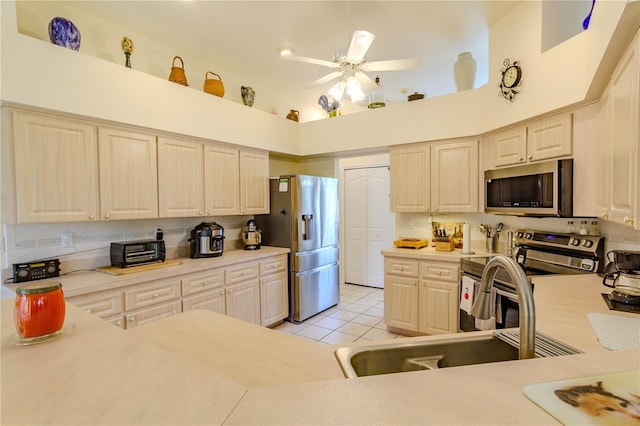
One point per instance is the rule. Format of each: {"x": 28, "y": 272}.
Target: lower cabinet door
{"x": 243, "y": 301}
{"x": 438, "y": 307}
{"x": 211, "y": 300}
{"x": 145, "y": 316}
{"x": 401, "y": 302}
{"x": 274, "y": 296}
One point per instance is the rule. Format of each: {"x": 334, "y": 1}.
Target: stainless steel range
{"x": 538, "y": 253}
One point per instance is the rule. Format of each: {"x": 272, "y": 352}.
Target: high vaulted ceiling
{"x": 248, "y": 34}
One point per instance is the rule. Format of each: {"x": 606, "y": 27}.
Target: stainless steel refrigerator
{"x": 304, "y": 217}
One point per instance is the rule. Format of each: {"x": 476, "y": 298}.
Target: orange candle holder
{"x": 39, "y": 309}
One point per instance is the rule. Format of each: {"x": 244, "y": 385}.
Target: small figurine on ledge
{"x": 127, "y": 48}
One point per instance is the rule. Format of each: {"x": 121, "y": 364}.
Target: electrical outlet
{"x": 67, "y": 239}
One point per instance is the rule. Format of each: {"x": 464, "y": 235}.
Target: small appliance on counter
{"x": 206, "y": 240}
{"x": 622, "y": 274}
{"x": 134, "y": 253}
{"x": 251, "y": 236}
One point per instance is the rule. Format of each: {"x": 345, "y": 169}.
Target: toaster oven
{"x": 133, "y": 253}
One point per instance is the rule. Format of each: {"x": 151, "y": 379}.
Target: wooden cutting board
{"x": 624, "y": 385}
{"x": 116, "y": 270}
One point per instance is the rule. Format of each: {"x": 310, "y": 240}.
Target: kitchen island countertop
{"x": 100, "y": 374}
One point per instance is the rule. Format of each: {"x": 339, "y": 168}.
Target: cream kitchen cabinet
{"x": 128, "y": 174}
{"x": 401, "y": 293}
{"x": 56, "y": 169}
{"x": 421, "y": 297}
{"x": 204, "y": 291}
{"x": 438, "y": 306}
{"x": 254, "y": 182}
{"x": 152, "y": 301}
{"x": 222, "y": 180}
{"x": 543, "y": 139}
{"x": 618, "y": 160}
{"x": 180, "y": 178}
{"x": 454, "y": 176}
{"x": 243, "y": 291}
{"x": 274, "y": 282}
{"x": 410, "y": 178}
{"x": 108, "y": 305}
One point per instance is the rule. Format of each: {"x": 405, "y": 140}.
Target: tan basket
{"x": 213, "y": 86}
{"x": 177, "y": 73}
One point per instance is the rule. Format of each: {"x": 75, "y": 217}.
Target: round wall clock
{"x": 510, "y": 79}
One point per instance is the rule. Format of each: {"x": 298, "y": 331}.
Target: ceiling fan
{"x": 352, "y": 67}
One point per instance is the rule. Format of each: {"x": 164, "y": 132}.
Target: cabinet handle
{"x": 628, "y": 220}
{"x": 604, "y": 215}
{"x": 435, "y": 210}
{"x": 530, "y": 157}
{"x": 413, "y": 282}
{"x": 200, "y": 214}
{"x": 205, "y": 283}
{"x": 88, "y": 310}
{"x": 132, "y": 319}
{"x": 520, "y": 158}
{"x": 401, "y": 268}
{"x": 155, "y": 295}
{"x": 119, "y": 322}
{"x": 208, "y": 213}
{"x": 91, "y": 216}
{"x": 106, "y": 216}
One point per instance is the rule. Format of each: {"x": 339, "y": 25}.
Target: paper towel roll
{"x": 466, "y": 238}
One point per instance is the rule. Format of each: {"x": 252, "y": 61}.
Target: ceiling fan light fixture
{"x": 337, "y": 90}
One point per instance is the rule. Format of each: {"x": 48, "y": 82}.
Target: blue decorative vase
{"x": 63, "y": 33}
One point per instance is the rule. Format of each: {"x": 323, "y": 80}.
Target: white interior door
{"x": 369, "y": 224}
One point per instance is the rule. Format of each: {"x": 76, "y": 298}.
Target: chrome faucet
{"x": 482, "y": 307}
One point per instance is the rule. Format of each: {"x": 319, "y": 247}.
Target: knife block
{"x": 445, "y": 245}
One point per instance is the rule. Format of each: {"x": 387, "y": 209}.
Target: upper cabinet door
{"x": 180, "y": 178}
{"x": 550, "y": 137}
{"x": 454, "y": 177}
{"x": 221, "y": 180}
{"x": 56, "y": 166}
{"x": 128, "y": 174}
{"x": 410, "y": 178}
{"x": 254, "y": 182}
{"x": 509, "y": 147}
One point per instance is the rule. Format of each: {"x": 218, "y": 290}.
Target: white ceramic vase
{"x": 464, "y": 71}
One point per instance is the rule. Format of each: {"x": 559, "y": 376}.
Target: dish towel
{"x": 616, "y": 332}
{"x": 467, "y": 293}
{"x": 490, "y": 324}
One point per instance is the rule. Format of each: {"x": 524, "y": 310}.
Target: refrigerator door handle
{"x": 306, "y": 230}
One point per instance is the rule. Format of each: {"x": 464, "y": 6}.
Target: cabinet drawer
{"x": 277, "y": 264}
{"x": 151, "y": 294}
{"x": 119, "y": 321}
{"x": 241, "y": 272}
{"x": 440, "y": 271}
{"x": 201, "y": 282}
{"x": 152, "y": 314}
{"x": 213, "y": 300}
{"x": 401, "y": 267}
{"x": 101, "y": 304}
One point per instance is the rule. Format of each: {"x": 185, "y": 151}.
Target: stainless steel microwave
{"x": 538, "y": 189}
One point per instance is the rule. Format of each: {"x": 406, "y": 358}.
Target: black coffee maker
{"x": 623, "y": 275}
{"x": 206, "y": 240}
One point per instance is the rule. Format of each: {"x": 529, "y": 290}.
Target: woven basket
{"x": 212, "y": 85}
{"x": 177, "y": 73}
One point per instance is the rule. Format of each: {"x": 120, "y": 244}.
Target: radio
{"x": 133, "y": 253}
{"x": 36, "y": 270}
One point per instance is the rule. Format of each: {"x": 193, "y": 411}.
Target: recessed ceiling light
{"x": 285, "y": 51}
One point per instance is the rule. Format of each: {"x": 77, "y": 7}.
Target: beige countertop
{"x": 82, "y": 282}
{"x": 190, "y": 369}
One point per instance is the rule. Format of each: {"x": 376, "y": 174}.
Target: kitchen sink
{"x": 450, "y": 351}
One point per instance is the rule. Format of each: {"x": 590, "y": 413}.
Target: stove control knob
{"x": 528, "y": 236}
{"x": 520, "y": 234}
{"x": 575, "y": 242}
{"x": 587, "y": 243}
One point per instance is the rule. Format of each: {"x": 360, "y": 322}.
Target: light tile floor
{"x": 358, "y": 317}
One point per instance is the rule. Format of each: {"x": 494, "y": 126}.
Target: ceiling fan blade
{"x": 359, "y": 45}
{"x": 366, "y": 82}
{"x": 392, "y": 65}
{"x": 312, "y": 61}
{"x": 327, "y": 78}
